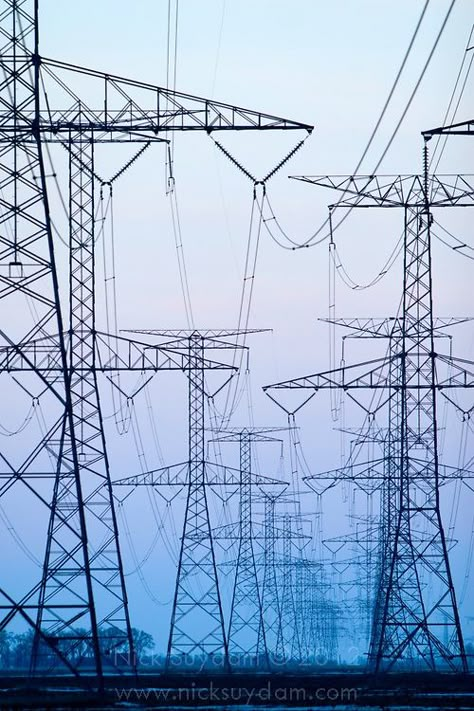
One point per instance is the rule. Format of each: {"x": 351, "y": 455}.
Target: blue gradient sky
{"x": 331, "y": 64}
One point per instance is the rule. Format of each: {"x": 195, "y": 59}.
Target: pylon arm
{"x": 167, "y": 110}
{"x": 114, "y": 353}
{"x": 361, "y": 538}
{"x": 232, "y": 531}
{"x": 375, "y": 473}
{"x": 178, "y": 475}
{"x": 208, "y": 339}
{"x": 374, "y": 375}
{"x": 369, "y": 374}
{"x": 465, "y": 128}
{"x": 461, "y": 373}
{"x": 389, "y": 326}
{"x": 120, "y": 353}
{"x": 397, "y": 190}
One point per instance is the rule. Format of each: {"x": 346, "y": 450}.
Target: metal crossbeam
{"x": 464, "y": 128}
{"x": 397, "y": 190}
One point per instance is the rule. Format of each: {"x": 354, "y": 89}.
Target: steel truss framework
{"x": 247, "y": 625}
{"x": 270, "y": 593}
{"x": 464, "y": 128}
{"x": 197, "y": 631}
{"x": 419, "y": 624}
{"x": 275, "y": 634}
{"x": 78, "y": 610}
{"x": 381, "y": 476}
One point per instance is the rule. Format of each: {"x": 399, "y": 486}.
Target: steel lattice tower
{"x": 247, "y": 626}
{"x": 80, "y": 602}
{"x": 381, "y": 476}
{"x": 270, "y": 592}
{"x": 197, "y": 621}
{"x": 420, "y": 624}
{"x": 105, "y": 568}
{"x": 246, "y": 614}
{"x": 197, "y": 556}
{"x": 289, "y": 642}
{"x": 64, "y": 596}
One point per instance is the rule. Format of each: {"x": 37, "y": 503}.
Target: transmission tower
{"x": 277, "y": 627}
{"x": 82, "y": 584}
{"x": 290, "y": 641}
{"x": 386, "y": 329}
{"x": 420, "y": 624}
{"x": 247, "y": 629}
{"x": 197, "y": 621}
{"x": 197, "y": 556}
{"x": 270, "y": 591}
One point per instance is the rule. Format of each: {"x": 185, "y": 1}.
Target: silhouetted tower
{"x": 279, "y": 613}
{"x": 420, "y": 625}
{"x": 385, "y": 481}
{"x": 247, "y": 629}
{"x": 290, "y": 644}
{"x": 80, "y": 601}
{"x": 197, "y": 621}
{"x": 63, "y": 600}
{"x": 197, "y": 556}
{"x": 318, "y": 614}
{"x": 270, "y": 590}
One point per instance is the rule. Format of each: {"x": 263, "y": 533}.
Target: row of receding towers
{"x": 79, "y": 599}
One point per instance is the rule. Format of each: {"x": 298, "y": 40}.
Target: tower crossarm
{"x": 113, "y": 354}
{"x": 390, "y": 326}
{"x": 211, "y": 339}
{"x": 465, "y": 128}
{"x": 249, "y": 434}
{"x": 119, "y": 353}
{"x": 369, "y": 374}
{"x": 231, "y": 531}
{"x": 397, "y": 190}
{"x": 374, "y": 472}
{"x": 129, "y": 106}
{"x": 178, "y": 475}
{"x": 373, "y": 374}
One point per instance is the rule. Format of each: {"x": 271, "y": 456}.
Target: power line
{"x": 309, "y": 242}
{"x": 446, "y": 118}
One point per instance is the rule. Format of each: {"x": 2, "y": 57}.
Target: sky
{"x": 327, "y": 64}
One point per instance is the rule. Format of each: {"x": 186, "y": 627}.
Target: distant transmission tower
{"x": 247, "y": 630}
{"x": 381, "y": 475}
{"x": 197, "y": 629}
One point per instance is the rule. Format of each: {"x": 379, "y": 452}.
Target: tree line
{"x": 16, "y": 649}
